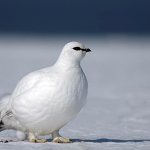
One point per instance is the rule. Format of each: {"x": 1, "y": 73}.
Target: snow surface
{"x": 117, "y": 115}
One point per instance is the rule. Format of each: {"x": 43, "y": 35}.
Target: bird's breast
{"x": 71, "y": 92}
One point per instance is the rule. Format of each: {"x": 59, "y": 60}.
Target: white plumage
{"x": 47, "y": 99}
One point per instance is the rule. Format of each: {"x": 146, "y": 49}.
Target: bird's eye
{"x": 77, "y": 48}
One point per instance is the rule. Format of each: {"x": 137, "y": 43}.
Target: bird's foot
{"x": 61, "y": 140}
{"x": 32, "y": 138}
{"x": 36, "y": 140}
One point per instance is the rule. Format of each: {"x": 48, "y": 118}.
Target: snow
{"x": 117, "y": 114}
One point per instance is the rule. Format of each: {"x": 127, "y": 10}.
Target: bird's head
{"x": 74, "y": 51}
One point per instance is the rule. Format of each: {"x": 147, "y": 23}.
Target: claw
{"x": 61, "y": 140}
{"x": 34, "y": 140}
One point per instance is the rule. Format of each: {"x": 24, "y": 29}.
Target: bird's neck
{"x": 67, "y": 63}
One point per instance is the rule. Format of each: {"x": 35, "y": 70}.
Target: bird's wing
{"x": 33, "y": 93}
{"x": 27, "y": 83}
{"x": 27, "y": 90}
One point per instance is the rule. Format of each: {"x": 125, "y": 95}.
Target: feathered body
{"x": 47, "y": 99}
{"x": 44, "y": 101}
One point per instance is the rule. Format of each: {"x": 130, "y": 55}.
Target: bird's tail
{"x": 3, "y": 103}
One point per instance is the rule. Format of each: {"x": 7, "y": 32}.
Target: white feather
{"x": 47, "y": 99}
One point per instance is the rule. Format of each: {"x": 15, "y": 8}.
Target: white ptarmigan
{"x": 46, "y": 100}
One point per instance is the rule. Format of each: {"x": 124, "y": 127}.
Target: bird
{"x": 45, "y": 100}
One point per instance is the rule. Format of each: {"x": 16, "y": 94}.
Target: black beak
{"x": 86, "y": 49}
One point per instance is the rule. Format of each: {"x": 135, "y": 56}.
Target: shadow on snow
{"x": 105, "y": 140}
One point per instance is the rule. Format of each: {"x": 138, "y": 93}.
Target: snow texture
{"x": 117, "y": 114}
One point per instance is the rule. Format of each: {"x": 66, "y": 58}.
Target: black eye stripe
{"x": 83, "y": 49}
{"x": 77, "y": 48}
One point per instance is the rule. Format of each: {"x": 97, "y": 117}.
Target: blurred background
{"x": 75, "y": 17}
{"x": 33, "y": 32}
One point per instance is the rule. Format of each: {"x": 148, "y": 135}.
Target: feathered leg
{"x": 34, "y": 139}
{"x": 57, "y": 138}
